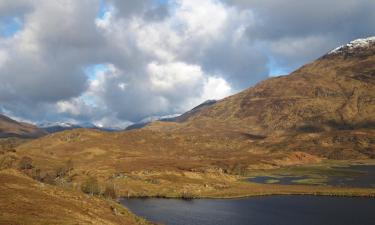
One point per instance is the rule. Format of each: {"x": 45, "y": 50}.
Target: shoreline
{"x": 342, "y": 192}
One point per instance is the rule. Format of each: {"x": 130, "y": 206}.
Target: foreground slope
{"x": 12, "y": 128}
{"x": 25, "y": 201}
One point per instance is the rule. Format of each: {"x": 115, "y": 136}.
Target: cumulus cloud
{"x": 299, "y": 31}
{"x": 157, "y": 57}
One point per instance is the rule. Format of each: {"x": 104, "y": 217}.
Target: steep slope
{"x": 12, "y": 128}
{"x": 335, "y": 92}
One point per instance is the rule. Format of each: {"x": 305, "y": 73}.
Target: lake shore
{"x": 222, "y": 186}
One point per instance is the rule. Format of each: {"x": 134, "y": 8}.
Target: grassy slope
{"x": 25, "y": 201}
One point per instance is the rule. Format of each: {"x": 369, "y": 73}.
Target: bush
{"x": 26, "y": 163}
{"x": 91, "y": 186}
{"x": 65, "y": 170}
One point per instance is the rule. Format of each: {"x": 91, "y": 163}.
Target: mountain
{"x": 335, "y": 92}
{"x": 13, "y": 128}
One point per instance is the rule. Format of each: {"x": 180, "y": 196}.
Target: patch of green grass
{"x": 272, "y": 181}
{"x": 312, "y": 181}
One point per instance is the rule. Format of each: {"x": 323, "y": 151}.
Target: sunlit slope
{"x": 335, "y": 92}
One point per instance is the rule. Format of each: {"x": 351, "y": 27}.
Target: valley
{"x": 310, "y": 124}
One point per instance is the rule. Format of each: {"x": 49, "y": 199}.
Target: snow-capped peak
{"x": 359, "y": 43}
{"x": 52, "y": 124}
{"x": 66, "y": 125}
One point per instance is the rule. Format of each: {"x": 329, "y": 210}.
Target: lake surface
{"x": 353, "y": 176}
{"x": 271, "y": 210}
{"x": 285, "y": 180}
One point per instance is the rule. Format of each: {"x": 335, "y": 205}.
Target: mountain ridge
{"x": 13, "y": 128}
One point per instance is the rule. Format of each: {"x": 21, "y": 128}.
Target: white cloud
{"x": 216, "y": 88}
{"x": 173, "y": 77}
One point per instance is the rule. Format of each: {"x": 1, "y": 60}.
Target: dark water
{"x": 285, "y": 180}
{"x": 352, "y": 176}
{"x": 272, "y": 210}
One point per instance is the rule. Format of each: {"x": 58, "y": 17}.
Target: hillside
{"x": 335, "y": 92}
{"x": 26, "y": 201}
{"x": 12, "y": 128}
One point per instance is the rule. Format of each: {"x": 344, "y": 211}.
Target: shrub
{"x": 91, "y": 186}
{"x": 26, "y": 163}
{"x": 110, "y": 191}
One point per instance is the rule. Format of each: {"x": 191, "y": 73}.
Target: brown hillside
{"x": 12, "y": 128}
{"x": 25, "y": 201}
{"x": 335, "y": 92}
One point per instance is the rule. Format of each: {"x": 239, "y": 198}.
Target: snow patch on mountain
{"x": 55, "y": 124}
{"x": 359, "y": 43}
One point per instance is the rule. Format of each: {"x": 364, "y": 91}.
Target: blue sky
{"x": 93, "y": 70}
{"x": 9, "y": 26}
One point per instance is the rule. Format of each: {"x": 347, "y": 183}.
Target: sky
{"x": 116, "y": 62}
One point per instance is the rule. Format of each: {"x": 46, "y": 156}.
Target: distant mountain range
{"x": 53, "y": 127}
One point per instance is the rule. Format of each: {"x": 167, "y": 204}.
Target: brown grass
{"x": 25, "y": 201}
